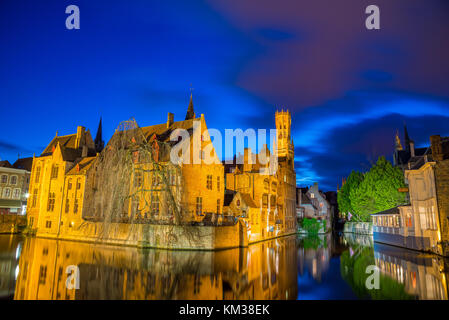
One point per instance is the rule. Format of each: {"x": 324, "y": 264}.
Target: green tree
{"x": 343, "y": 199}
{"x": 378, "y": 191}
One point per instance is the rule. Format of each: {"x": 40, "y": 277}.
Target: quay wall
{"x": 358, "y": 228}
{"x": 159, "y": 236}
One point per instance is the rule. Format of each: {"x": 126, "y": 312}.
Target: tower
{"x": 99, "y": 143}
{"x": 284, "y": 142}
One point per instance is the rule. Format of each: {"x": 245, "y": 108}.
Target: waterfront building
{"x": 48, "y": 179}
{"x": 423, "y": 224}
{"x": 133, "y": 192}
{"x": 268, "y": 192}
{"x": 14, "y": 182}
{"x": 313, "y": 204}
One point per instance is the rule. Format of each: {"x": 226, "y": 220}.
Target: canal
{"x": 320, "y": 267}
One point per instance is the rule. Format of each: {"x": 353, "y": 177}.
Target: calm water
{"x": 327, "y": 267}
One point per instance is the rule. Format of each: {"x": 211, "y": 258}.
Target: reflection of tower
{"x": 284, "y": 141}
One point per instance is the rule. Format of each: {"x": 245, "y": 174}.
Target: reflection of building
{"x": 422, "y": 225}
{"x": 421, "y": 275}
{"x": 10, "y": 248}
{"x": 314, "y": 256}
{"x": 14, "y": 181}
{"x": 261, "y": 271}
{"x": 312, "y": 203}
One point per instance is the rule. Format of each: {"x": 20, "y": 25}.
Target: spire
{"x": 99, "y": 143}
{"x": 406, "y": 138}
{"x": 398, "y": 145}
{"x": 190, "y": 113}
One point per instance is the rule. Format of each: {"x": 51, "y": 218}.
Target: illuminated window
{"x": 218, "y": 183}
{"x": 69, "y": 184}
{"x": 78, "y": 184}
{"x": 218, "y": 206}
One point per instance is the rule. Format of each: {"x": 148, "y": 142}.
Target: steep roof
{"x": 83, "y": 166}
{"x": 5, "y": 164}
{"x": 24, "y": 163}
{"x": 68, "y": 141}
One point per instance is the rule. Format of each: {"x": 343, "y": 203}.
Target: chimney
{"x": 170, "y": 118}
{"x": 80, "y": 141}
{"x": 412, "y": 148}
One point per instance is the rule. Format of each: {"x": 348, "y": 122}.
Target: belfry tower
{"x": 285, "y": 146}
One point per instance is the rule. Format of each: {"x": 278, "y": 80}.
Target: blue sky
{"x": 349, "y": 89}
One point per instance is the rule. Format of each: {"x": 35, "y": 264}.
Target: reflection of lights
{"x": 27, "y": 195}
{"x": 17, "y": 272}
{"x": 18, "y": 250}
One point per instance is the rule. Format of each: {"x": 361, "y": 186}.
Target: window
{"x": 199, "y": 205}
{"x": 312, "y": 195}
{"x": 218, "y": 206}
{"x": 37, "y": 175}
{"x": 67, "y": 205}
{"x": 209, "y": 182}
{"x": 48, "y": 224}
{"x": 34, "y": 201}
{"x": 4, "y": 179}
{"x": 54, "y": 172}
{"x": 16, "y": 194}
{"x": 218, "y": 183}
{"x": 155, "y": 205}
{"x": 51, "y": 201}
{"x": 78, "y": 184}
{"x": 6, "y": 193}
{"x": 69, "y": 184}
{"x": 13, "y": 180}
{"x": 138, "y": 179}
{"x": 42, "y": 274}
{"x": 75, "y": 206}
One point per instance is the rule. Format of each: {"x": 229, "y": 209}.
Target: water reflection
{"x": 320, "y": 267}
{"x": 262, "y": 271}
{"x": 404, "y": 274}
{"x": 10, "y": 248}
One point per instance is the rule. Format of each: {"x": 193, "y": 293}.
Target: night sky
{"x": 349, "y": 89}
